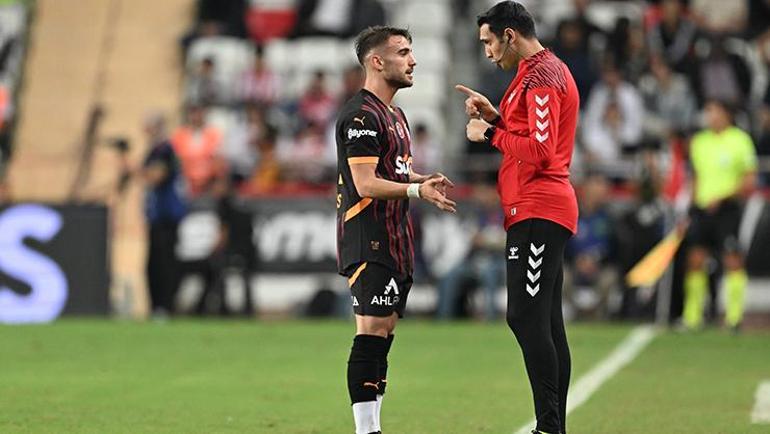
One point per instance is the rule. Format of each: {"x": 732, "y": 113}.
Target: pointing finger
{"x": 466, "y": 90}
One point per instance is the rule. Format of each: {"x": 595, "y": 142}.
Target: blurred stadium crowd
{"x": 263, "y": 80}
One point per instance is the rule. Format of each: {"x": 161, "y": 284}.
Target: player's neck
{"x": 529, "y": 47}
{"x": 381, "y": 90}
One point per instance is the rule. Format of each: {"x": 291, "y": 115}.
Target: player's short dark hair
{"x": 508, "y": 14}
{"x": 728, "y": 107}
{"x": 372, "y": 37}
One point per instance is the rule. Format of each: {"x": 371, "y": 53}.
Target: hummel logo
{"x": 542, "y": 113}
{"x": 542, "y": 101}
{"x": 532, "y": 291}
{"x": 360, "y": 120}
{"x": 542, "y": 125}
{"x": 513, "y": 254}
{"x": 541, "y": 137}
{"x": 391, "y": 287}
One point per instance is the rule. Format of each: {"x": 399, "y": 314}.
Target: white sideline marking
{"x": 761, "y": 412}
{"x": 622, "y": 355}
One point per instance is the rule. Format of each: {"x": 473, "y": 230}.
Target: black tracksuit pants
{"x": 535, "y": 255}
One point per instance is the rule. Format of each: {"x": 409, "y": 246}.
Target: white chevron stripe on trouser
{"x": 535, "y": 261}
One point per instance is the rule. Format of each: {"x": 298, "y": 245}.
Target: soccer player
{"x": 374, "y": 233}
{"x": 725, "y": 166}
{"x": 535, "y": 131}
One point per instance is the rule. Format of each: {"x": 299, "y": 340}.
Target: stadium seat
{"x": 297, "y": 84}
{"x": 318, "y": 53}
{"x": 347, "y": 52}
{"x": 750, "y": 54}
{"x": 12, "y": 20}
{"x": 425, "y": 17}
{"x": 430, "y": 90}
{"x": 281, "y": 55}
{"x": 432, "y": 54}
{"x": 221, "y": 118}
{"x": 232, "y": 56}
{"x": 270, "y": 20}
{"x": 605, "y": 13}
{"x": 431, "y": 116}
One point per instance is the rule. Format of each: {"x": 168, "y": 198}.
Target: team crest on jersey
{"x": 400, "y": 130}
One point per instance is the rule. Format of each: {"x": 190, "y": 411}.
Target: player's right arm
{"x": 362, "y": 147}
{"x": 368, "y": 184}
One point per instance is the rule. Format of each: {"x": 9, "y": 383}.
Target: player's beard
{"x": 398, "y": 80}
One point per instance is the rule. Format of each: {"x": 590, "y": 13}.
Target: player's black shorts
{"x": 711, "y": 230}
{"x": 376, "y": 290}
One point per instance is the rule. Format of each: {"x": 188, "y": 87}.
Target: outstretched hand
{"x": 477, "y": 105}
{"x": 434, "y": 191}
{"x": 444, "y": 181}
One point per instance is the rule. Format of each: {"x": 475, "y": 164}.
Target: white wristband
{"x": 413, "y": 191}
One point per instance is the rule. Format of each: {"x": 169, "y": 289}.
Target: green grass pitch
{"x": 91, "y": 376}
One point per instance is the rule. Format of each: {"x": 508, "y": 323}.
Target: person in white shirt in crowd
{"x": 203, "y": 87}
{"x": 258, "y": 84}
{"x": 240, "y": 146}
{"x": 317, "y": 104}
{"x": 670, "y": 104}
{"x": 612, "y": 124}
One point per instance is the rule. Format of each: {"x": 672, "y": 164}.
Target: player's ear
{"x": 510, "y": 36}
{"x": 377, "y": 62}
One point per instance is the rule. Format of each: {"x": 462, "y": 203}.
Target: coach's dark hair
{"x": 508, "y": 14}
{"x": 373, "y": 37}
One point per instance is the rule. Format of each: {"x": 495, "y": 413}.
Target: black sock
{"x": 363, "y": 367}
{"x": 384, "y": 364}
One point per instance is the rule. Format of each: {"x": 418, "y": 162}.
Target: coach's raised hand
{"x": 434, "y": 191}
{"x": 475, "y": 130}
{"x": 477, "y": 105}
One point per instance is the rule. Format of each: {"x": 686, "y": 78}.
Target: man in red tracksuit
{"x": 535, "y": 131}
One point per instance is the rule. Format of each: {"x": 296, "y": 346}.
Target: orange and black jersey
{"x": 373, "y": 230}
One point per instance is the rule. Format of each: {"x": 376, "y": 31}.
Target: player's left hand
{"x": 443, "y": 183}
{"x": 475, "y": 130}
